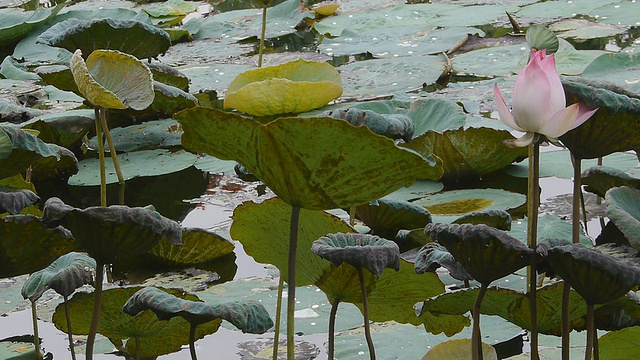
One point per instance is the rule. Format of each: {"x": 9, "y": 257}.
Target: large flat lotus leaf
{"x": 599, "y": 179}
{"x": 12, "y": 201}
{"x": 133, "y": 37}
{"x": 485, "y": 252}
{"x": 550, "y": 226}
{"x": 622, "y": 209}
{"x": 27, "y": 245}
{"x": 394, "y": 126}
{"x": 293, "y": 87}
{"x": 621, "y": 344}
{"x": 622, "y": 69}
{"x": 66, "y": 128}
{"x": 470, "y": 152}
{"x": 134, "y": 164}
{"x": 433, "y": 255}
{"x": 17, "y": 24}
{"x": 612, "y": 128}
{"x": 198, "y": 246}
{"x": 385, "y": 216}
{"x": 64, "y": 275}
{"x": 17, "y": 350}
{"x": 461, "y": 202}
{"x": 112, "y": 233}
{"x": 622, "y": 13}
{"x": 582, "y": 29}
{"x": 112, "y": 79}
{"x": 157, "y": 337}
{"x": 458, "y": 349}
{"x": 549, "y": 10}
{"x": 27, "y": 148}
{"x": 419, "y": 189}
{"x": 171, "y": 7}
{"x": 360, "y": 250}
{"x": 499, "y": 219}
{"x": 249, "y": 316}
{"x": 293, "y": 157}
{"x": 144, "y": 136}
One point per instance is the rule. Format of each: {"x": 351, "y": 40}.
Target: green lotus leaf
{"x": 133, "y": 37}
{"x": 486, "y": 253}
{"x": 6, "y": 146}
{"x": 600, "y": 274}
{"x": 66, "y": 129}
{"x": 617, "y": 68}
{"x": 60, "y": 168}
{"x": 385, "y": 216}
{"x": 360, "y": 250}
{"x": 293, "y": 157}
{"x": 456, "y": 349}
{"x": 622, "y": 209}
{"x": 156, "y": 337}
{"x": 171, "y": 7}
{"x": 599, "y": 179}
{"x": 27, "y": 148}
{"x": 433, "y": 255}
{"x": 249, "y": 316}
{"x": 293, "y": 87}
{"x": 395, "y": 126}
{"x": 168, "y": 75}
{"x": 497, "y": 218}
{"x": 59, "y": 76}
{"x": 64, "y": 275}
{"x": 11, "y": 69}
{"x": 14, "y": 200}
{"x": 28, "y": 245}
{"x": 539, "y": 38}
{"x": 613, "y": 128}
{"x": 198, "y": 246}
{"x": 113, "y": 233}
{"x": 113, "y": 80}
{"x": 621, "y": 344}
{"x": 411, "y": 239}
{"x": 17, "y": 24}
{"x": 17, "y": 350}
{"x": 147, "y": 135}
{"x": 169, "y": 100}
{"x": 470, "y": 152}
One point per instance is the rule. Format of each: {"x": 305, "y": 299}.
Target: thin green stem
{"x": 97, "y": 304}
{"x": 262, "y": 34}
{"x": 590, "y": 332}
{"x": 533, "y": 203}
{"x": 103, "y": 174}
{"x": 113, "y": 153}
{"x": 291, "y": 296}
{"x": 476, "y": 340}
{"x": 69, "y": 332}
{"x": 36, "y": 336}
{"x": 332, "y": 328}
{"x": 365, "y": 313}
{"x": 276, "y": 334}
{"x": 192, "y": 341}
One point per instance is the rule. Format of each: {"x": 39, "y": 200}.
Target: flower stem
{"x": 36, "y": 336}
{"x": 533, "y": 203}
{"x": 365, "y": 313}
{"x": 476, "y": 340}
{"x": 113, "y": 153}
{"x": 192, "y": 341}
{"x": 103, "y": 174}
{"x": 332, "y": 327}
{"x": 97, "y": 304}
{"x": 69, "y": 332}
{"x": 262, "y": 34}
{"x": 291, "y": 295}
{"x": 276, "y": 333}
{"x": 590, "y": 332}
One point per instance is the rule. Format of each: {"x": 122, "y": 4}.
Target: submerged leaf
{"x": 64, "y": 276}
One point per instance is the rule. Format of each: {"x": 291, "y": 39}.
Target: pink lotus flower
{"x": 539, "y": 103}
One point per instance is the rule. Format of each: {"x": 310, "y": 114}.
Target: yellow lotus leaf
{"x": 458, "y": 349}
{"x": 326, "y": 9}
{"x": 292, "y": 87}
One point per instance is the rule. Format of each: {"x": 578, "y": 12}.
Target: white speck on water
{"x": 360, "y": 352}
{"x": 315, "y": 306}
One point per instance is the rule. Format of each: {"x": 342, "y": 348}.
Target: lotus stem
{"x": 69, "y": 332}
{"x": 291, "y": 296}
{"x": 276, "y": 334}
{"x": 590, "y": 332}
{"x": 36, "y": 337}
{"x": 262, "y": 34}
{"x": 97, "y": 304}
{"x": 476, "y": 340}
{"x": 192, "y": 341}
{"x": 365, "y": 313}
{"x": 565, "y": 325}
{"x": 533, "y": 203}
{"x": 113, "y": 153}
{"x": 352, "y": 216}
{"x": 103, "y": 174}
{"x": 332, "y": 328}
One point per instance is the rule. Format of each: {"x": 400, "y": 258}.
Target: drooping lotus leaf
{"x": 168, "y": 75}
{"x": 113, "y": 80}
{"x": 433, "y": 255}
{"x": 17, "y": 24}
{"x": 497, "y": 218}
{"x": 395, "y": 126}
{"x": 617, "y": 68}
{"x": 313, "y": 163}
{"x": 113, "y": 233}
{"x": 600, "y": 274}
{"x": 456, "y": 349}
{"x": 599, "y": 179}
{"x": 622, "y": 209}
{"x": 14, "y": 200}
{"x": 248, "y": 316}
{"x": 292, "y": 87}
{"x": 470, "y": 152}
{"x": 58, "y": 75}
{"x": 385, "y": 216}
{"x": 66, "y": 129}
{"x": 133, "y": 37}
{"x": 27, "y": 245}
{"x": 360, "y": 250}
{"x": 169, "y": 100}
{"x": 64, "y": 275}
{"x": 198, "y": 246}
{"x": 156, "y": 337}
{"x": 411, "y": 239}
{"x": 60, "y": 168}
{"x": 6, "y": 146}
{"x": 27, "y": 148}
{"x": 540, "y": 38}
{"x": 485, "y": 252}
{"x": 612, "y": 128}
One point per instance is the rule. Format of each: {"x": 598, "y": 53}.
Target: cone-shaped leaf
{"x": 64, "y": 276}
{"x": 622, "y": 208}
{"x": 458, "y": 349}
{"x": 292, "y": 87}
{"x": 395, "y": 126}
{"x": 113, "y": 80}
{"x": 485, "y": 252}
{"x": 433, "y": 255}
{"x": 600, "y": 274}
{"x": 248, "y": 316}
{"x": 313, "y": 163}
{"x": 113, "y": 233}
{"x": 385, "y": 216}
{"x": 360, "y": 250}
{"x": 14, "y": 200}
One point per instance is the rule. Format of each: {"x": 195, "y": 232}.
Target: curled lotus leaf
{"x": 497, "y": 218}
{"x": 600, "y": 274}
{"x": 113, "y": 80}
{"x": 14, "y": 200}
{"x": 486, "y": 253}
{"x": 622, "y": 209}
{"x": 395, "y": 126}
{"x": 433, "y": 255}
{"x": 248, "y": 316}
{"x": 64, "y": 275}
{"x": 360, "y": 250}
{"x": 113, "y": 233}
{"x": 599, "y": 179}
{"x": 386, "y": 216}
{"x": 292, "y": 87}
